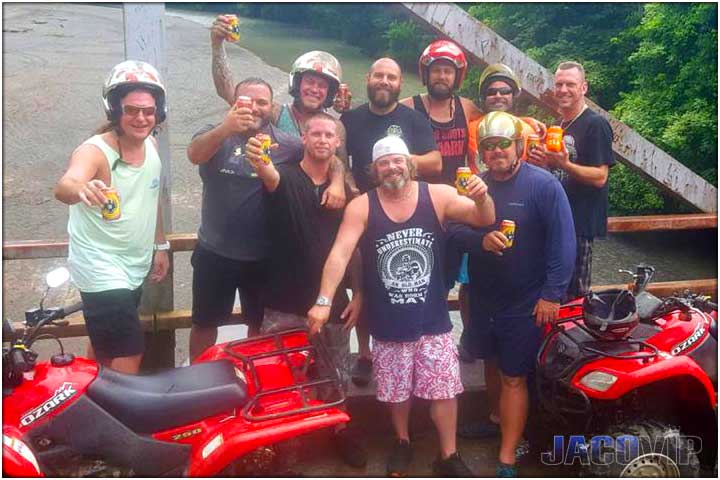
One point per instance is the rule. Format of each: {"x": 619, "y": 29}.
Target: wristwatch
{"x": 159, "y": 247}
{"x": 323, "y": 301}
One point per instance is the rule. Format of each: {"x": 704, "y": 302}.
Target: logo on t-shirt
{"x": 155, "y": 183}
{"x": 405, "y": 261}
{"x": 394, "y": 130}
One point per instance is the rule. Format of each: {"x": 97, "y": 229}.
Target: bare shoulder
{"x": 358, "y": 206}
{"x": 276, "y": 109}
{"x": 472, "y": 112}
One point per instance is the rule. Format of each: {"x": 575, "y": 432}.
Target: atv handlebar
{"x": 17, "y": 357}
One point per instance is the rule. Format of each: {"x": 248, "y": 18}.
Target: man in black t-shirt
{"x": 584, "y": 165}
{"x": 302, "y": 233}
{"x": 383, "y": 115}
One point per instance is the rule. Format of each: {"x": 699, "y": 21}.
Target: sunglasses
{"x": 503, "y": 144}
{"x": 134, "y": 111}
{"x": 491, "y": 92}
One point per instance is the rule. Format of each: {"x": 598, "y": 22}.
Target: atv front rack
{"x": 301, "y": 384}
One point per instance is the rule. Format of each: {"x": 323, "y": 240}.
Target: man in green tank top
{"x": 112, "y": 186}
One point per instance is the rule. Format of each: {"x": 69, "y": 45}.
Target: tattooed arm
{"x": 222, "y": 76}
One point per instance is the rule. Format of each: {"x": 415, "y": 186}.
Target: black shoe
{"x": 478, "y": 430}
{"x": 399, "y": 459}
{"x": 350, "y": 450}
{"x": 453, "y": 466}
{"x": 361, "y": 373}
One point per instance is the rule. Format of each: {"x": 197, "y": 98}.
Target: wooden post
{"x": 144, "y": 27}
{"x": 484, "y": 46}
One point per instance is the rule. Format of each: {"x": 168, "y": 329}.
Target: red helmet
{"x": 443, "y": 50}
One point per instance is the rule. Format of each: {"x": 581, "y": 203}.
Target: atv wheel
{"x": 663, "y": 452}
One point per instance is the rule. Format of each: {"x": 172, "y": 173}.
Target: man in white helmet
{"x": 399, "y": 228}
{"x": 515, "y": 288}
{"x": 313, "y": 84}
{"x": 115, "y": 225}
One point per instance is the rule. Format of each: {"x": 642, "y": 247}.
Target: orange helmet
{"x": 443, "y": 50}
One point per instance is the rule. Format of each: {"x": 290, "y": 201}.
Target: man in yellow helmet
{"x": 515, "y": 287}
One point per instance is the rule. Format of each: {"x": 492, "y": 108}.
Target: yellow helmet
{"x": 497, "y": 71}
{"x": 499, "y": 124}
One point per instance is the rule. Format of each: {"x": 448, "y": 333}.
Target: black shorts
{"x": 215, "y": 280}
{"x": 112, "y": 322}
{"x": 511, "y": 341}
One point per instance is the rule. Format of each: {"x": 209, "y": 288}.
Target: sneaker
{"x": 453, "y": 466}
{"x": 504, "y": 470}
{"x": 479, "y": 430}
{"x": 361, "y": 373}
{"x": 399, "y": 459}
{"x": 350, "y": 450}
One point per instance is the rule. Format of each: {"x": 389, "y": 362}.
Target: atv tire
{"x": 663, "y": 452}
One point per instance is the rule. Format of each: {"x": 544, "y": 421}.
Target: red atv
{"x": 220, "y": 416}
{"x": 641, "y": 388}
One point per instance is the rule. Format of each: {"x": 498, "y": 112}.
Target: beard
{"x": 374, "y": 93}
{"x": 439, "y": 91}
{"x": 396, "y": 183}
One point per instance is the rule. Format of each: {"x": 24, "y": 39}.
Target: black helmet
{"x": 611, "y": 314}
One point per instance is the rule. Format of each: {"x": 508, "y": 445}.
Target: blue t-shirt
{"x": 541, "y": 260}
{"x": 364, "y": 128}
{"x": 233, "y": 222}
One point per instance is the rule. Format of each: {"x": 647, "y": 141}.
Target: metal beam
{"x": 484, "y": 46}
{"x": 144, "y": 33}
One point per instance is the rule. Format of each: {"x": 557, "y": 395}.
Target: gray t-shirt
{"x": 233, "y": 222}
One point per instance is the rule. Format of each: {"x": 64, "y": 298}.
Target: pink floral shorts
{"x": 426, "y": 368}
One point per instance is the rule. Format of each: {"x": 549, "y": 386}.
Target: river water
{"x": 675, "y": 255}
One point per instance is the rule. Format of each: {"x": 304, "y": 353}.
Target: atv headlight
{"x": 21, "y": 448}
{"x": 598, "y": 380}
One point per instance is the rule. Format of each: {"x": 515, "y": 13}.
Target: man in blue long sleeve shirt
{"x": 515, "y": 290}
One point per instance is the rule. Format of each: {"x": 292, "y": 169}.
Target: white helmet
{"x": 130, "y": 75}
{"x": 321, "y": 63}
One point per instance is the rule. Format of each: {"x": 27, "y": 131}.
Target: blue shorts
{"x": 512, "y": 342}
{"x": 463, "y": 276}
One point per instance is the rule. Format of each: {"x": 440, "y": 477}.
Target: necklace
{"x": 565, "y": 127}
{"x": 444, "y": 125}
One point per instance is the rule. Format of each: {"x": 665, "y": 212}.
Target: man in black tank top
{"x": 442, "y": 67}
{"x": 399, "y": 228}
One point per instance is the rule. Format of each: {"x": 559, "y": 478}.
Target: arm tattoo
{"x": 222, "y": 76}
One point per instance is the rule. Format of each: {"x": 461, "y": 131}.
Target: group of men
{"x": 280, "y": 234}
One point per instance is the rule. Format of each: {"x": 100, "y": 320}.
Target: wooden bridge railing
{"x": 160, "y": 326}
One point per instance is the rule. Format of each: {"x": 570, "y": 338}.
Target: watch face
{"x": 323, "y": 301}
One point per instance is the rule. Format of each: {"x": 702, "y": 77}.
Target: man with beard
{"x": 301, "y": 234}
{"x": 314, "y": 80}
{"x": 515, "y": 289}
{"x": 395, "y": 225}
{"x": 115, "y": 242}
{"x": 233, "y": 239}
{"x": 383, "y": 115}
{"x": 442, "y": 67}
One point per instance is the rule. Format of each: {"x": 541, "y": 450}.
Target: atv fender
{"x": 633, "y": 374}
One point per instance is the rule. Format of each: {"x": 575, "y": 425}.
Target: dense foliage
{"x": 653, "y": 66}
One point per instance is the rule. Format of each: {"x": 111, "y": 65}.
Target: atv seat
{"x": 152, "y": 403}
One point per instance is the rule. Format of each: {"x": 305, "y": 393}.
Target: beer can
{"x": 554, "y": 139}
{"x": 507, "y": 228}
{"x": 344, "y": 94}
{"x": 462, "y": 176}
{"x": 243, "y": 102}
{"x": 111, "y": 209}
{"x": 234, "y": 35}
{"x": 265, "y": 142}
{"x": 533, "y": 141}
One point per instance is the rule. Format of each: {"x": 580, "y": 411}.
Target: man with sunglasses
{"x": 515, "y": 289}
{"x": 113, "y": 235}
